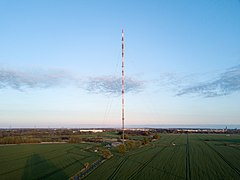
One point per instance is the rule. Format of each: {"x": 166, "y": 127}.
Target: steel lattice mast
{"x": 123, "y": 86}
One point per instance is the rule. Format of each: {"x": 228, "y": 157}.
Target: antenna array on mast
{"x": 123, "y": 86}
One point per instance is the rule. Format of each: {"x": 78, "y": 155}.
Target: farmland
{"x": 178, "y": 156}
{"x": 173, "y": 156}
{"x": 43, "y": 161}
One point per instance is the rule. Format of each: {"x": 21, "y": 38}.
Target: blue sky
{"x": 60, "y": 62}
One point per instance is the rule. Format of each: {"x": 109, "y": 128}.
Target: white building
{"x": 91, "y": 130}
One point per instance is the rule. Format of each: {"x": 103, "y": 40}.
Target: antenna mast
{"x": 123, "y": 86}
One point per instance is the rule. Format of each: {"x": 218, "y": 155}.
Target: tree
{"x": 146, "y": 133}
{"x": 75, "y": 139}
{"x": 130, "y": 144}
{"x": 156, "y": 136}
{"x": 145, "y": 141}
{"x": 125, "y": 136}
{"x": 122, "y": 148}
{"x": 138, "y": 143}
{"x": 106, "y": 153}
{"x": 86, "y": 165}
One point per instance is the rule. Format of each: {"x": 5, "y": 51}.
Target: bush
{"x": 146, "y": 133}
{"x": 156, "y": 136}
{"x": 130, "y": 144}
{"x": 138, "y": 143}
{"x": 125, "y": 136}
{"x": 18, "y": 140}
{"x": 145, "y": 140}
{"x": 75, "y": 140}
{"x": 106, "y": 153}
{"x": 122, "y": 148}
{"x": 86, "y": 165}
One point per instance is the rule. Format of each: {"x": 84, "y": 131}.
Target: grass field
{"x": 43, "y": 161}
{"x": 174, "y": 156}
{"x": 193, "y": 156}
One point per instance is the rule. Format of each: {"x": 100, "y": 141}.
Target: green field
{"x": 192, "y": 157}
{"x": 44, "y": 161}
{"x": 174, "y": 156}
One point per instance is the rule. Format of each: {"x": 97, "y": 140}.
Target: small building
{"x": 91, "y": 130}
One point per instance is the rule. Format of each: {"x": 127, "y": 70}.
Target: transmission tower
{"x": 123, "y": 86}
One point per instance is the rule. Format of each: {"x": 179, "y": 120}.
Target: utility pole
{"x": 123, "y": 86}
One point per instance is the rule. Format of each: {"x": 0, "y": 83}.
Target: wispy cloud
{"x": 20, "y": 80}
{"x": 112, "y": 85}
{"x": 25, "y": 80}
{"x": 225, "y": 83}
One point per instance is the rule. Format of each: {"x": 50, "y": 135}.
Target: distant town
{"x": 72, "y": 135}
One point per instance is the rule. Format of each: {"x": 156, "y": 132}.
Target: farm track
{"x": 134, "y": 174}
{"x": 188, "y": 169}
{"x": 161, "y": 170}
{"x": 176, "y": 148}
{"x": 113, "y": 175}
{"x": 224, "y": 159}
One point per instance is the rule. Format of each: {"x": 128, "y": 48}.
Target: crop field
{"x": 182, "y": 156}
{"x": 43, "y": 161}
{"x": 174, "y": 156}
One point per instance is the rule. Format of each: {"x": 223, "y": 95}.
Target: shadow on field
{"x": 38, "y": 167}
